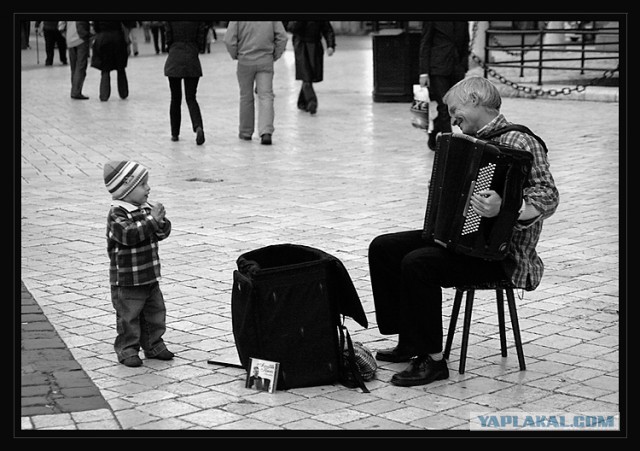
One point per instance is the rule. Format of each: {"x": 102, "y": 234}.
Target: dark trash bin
{"x": 396, "y": 59}
{"x": 286, "y": 305}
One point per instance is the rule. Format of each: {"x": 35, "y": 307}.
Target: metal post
{"x": 541, "y": 48}
{"x": 522, "y": 54}
{"x": 37, "y": 49}
{"x": 486, "y": 53}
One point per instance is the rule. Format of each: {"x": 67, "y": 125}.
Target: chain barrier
{"x": 609, "y": 73}
{"x": 533, "y": 45}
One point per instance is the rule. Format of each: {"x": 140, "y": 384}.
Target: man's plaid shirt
{"x": 523, "y": 263}
{"x": 132, "y": 244}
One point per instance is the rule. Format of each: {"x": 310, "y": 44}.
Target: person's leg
{"x": 310, "y": 96}
{"x": 424, "y": 272}
{"x": 246, "y": 78}
{"x": 146, "y": 28}
{"x": 105, "y": 85}
{"x": 264, "y": 86}
{"x": 82, "y": 62}
{"x": 155, "y": 32}
{"x": 133, "y": 37}
{"x": 123, "y": 83}
{"x": 49, "y": 46}
{"x": 438, "y": 86}
{"x": 153, "y": 322}
{"x": 128, "y": 303}
{"x": 62, "y": 47}
{"x": 302, "y": 102}
{"x": 190, "y": 94}
{"x": 385, "y": 255}
{"x": 73, "y": 60}
{"x": 163, "y": 43}
{"x": 175, "y": 106}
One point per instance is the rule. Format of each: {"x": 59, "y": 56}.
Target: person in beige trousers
{"x": 256, "y": 45}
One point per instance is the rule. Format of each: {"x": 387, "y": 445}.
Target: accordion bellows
{"x": 464, "y": 165}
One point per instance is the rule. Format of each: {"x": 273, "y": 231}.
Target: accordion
{"x": 464, "y": 165}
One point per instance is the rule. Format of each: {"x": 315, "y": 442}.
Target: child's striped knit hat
{"x": 121, "y": 177}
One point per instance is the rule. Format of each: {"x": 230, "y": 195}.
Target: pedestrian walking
{"x": 25, "y": 31}
{"x": 211, "y": 36}
{"x": 185, "y": 41}
{"x": 256, "y": 45}
{"x": 110, "y": 53}
{"x": 134, "y": 228}
{"x": 78, "y": 45}
{"x": 309, "y": 55}
{"x": 132, "y": 37}
{"x": 159, "y": 37}
{"x": 53, "y": 38}
{"x": 444, "y": 61}
{"x": 146, "y": 30}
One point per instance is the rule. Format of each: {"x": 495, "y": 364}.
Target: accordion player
{"x": 464, "y": 165}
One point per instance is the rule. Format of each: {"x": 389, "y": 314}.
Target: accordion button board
{"x": 464, "y": 165}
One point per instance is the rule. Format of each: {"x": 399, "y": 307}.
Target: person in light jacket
{"x": 256, "y": 45}
{"x": 78, "y": 45}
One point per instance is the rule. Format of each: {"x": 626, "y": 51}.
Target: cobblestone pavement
{"x": 332, "y": 181}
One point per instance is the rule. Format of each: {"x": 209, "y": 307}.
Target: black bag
{"x": 286, "y": 303}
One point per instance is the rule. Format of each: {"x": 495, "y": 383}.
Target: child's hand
{"x": 157, "y": 211}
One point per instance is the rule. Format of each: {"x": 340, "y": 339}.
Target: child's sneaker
{"x": 132, "y": 361}
{"x": 165, "y": 354}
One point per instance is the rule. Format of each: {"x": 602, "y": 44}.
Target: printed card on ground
{"x": 262, "y": 375}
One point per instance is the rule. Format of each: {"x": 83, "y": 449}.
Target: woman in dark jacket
{"x": 309, "y": 54}
{"x": 110, "y": 52}
{"x": 185, "y": 41}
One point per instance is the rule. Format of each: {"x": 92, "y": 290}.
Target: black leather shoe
{"x": 266, "y": 139}
{"x": 80, "y": 97}
{"x": 421, "y": 371}
{"x": 394, "y": 355}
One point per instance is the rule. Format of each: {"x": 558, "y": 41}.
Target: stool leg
{"x": 457, "y": 300}
{"x": 516, "y": 327}
{"x": 503, "y": 335}
{"x": 465, "y": 330}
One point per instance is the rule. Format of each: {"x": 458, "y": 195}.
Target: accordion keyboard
{"x": 483, "y": 182}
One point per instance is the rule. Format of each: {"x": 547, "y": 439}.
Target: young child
{"x": 134, "y": 228}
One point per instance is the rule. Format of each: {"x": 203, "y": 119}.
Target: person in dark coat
{"x": 444, "y": 61}
{"x": 110, "y": 52}
{"x": 185, "y": 41}
{"x": 309, "y": 55}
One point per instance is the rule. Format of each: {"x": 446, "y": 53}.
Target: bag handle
{"x": 351, "y": 356}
